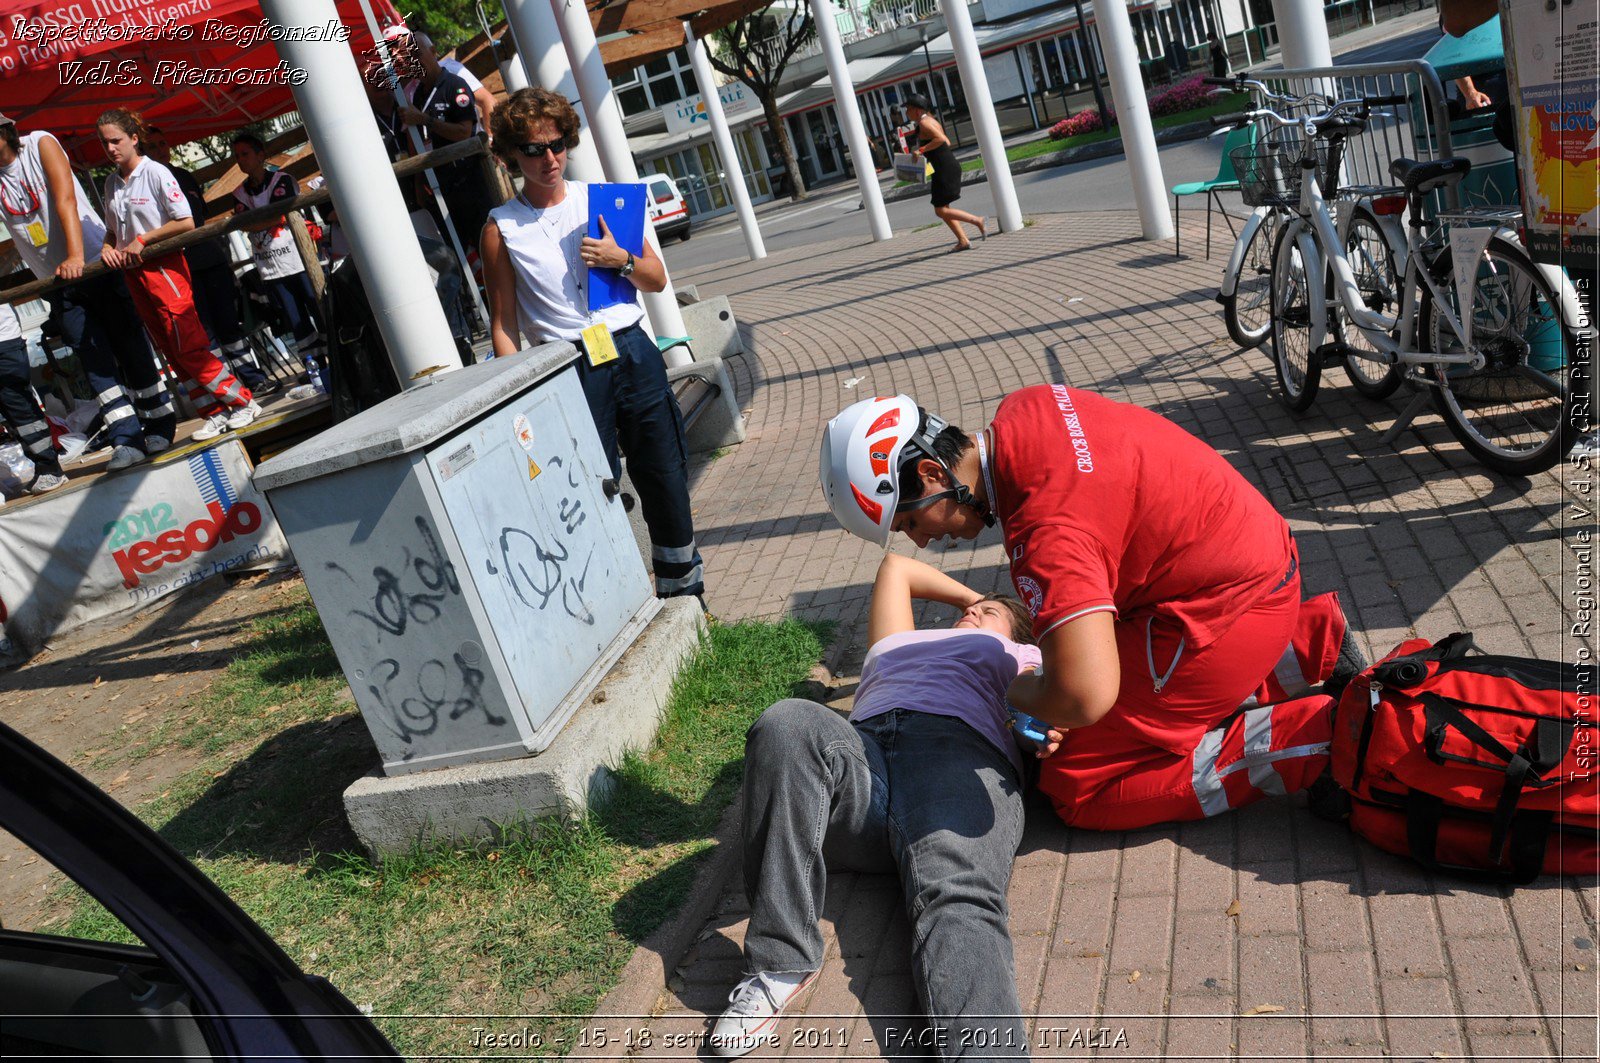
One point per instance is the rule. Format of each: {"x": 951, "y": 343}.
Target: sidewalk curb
{"x": 1089, "y": 152}
{"x": 643, "y": 979}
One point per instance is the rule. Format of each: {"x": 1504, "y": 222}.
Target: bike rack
{"x": 1421, "y": 131}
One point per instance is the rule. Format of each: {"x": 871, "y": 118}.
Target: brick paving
{"x": 1267, "y": 933}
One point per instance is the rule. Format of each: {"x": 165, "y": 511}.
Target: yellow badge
{"x": 597, "y": 342}
{"x": 36, "y": 234}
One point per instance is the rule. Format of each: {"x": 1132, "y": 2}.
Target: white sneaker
{"x": 244, "y": 415}
{"x": 214, "y": 426}
{"x": 47, "y": 481}
{"x": 753, "y": 1009}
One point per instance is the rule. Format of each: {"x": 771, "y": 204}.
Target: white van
{"x": 669, "y": 211}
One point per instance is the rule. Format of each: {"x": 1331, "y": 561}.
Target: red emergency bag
{"x": 1471, "y": 762}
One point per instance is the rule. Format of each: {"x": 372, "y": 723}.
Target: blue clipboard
{"x": 623, "y": 208}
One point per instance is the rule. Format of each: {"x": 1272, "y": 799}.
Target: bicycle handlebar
{"x": 1240, "y": 83}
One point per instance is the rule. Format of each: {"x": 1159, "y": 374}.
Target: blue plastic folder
{"x": 623, "y": 208}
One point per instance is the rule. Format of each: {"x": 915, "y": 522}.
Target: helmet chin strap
{"x": 960, "y": 492}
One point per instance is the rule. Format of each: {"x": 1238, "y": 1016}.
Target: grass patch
{"x": 538, "y": 925}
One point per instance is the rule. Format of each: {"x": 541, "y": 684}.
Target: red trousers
{"x": 165, "y": 301}
{"x": 1211, "y": 738}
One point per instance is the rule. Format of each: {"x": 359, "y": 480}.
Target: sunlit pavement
{"x": 1333, "y": 949}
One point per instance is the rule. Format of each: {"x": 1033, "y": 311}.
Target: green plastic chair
{"x": 1225, "y": 181}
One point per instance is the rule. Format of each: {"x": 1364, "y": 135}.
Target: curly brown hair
{"x": 1021, "y": 619}
{"x": 511, "y": 120}
{"x": 127, "y": 121}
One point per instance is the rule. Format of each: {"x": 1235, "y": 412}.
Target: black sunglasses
{"x": 535, "y": 150}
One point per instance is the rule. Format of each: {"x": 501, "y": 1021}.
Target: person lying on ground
{"x": 1164, "y": 590}
{"x": 924, "y": 779}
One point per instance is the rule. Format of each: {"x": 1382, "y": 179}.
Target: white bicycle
{"x": 1500, "y": 369}
{"x": 1245, "y": 294}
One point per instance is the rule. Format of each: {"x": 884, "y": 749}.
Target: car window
{"x": 74, "y": 978}
{"x": 661, "y": 192}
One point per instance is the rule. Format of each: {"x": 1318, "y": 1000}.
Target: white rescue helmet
{"x": 860, "y": 463}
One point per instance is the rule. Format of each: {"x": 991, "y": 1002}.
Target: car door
{"x": 206, "y": 983}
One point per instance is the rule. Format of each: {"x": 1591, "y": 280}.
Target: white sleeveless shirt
{"x": 552, "y": 281}
{"x": 29, "y": 209}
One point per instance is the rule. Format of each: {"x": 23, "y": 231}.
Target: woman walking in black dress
{"x": 934, "y": 146}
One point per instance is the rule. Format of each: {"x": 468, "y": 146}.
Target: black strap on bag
{"x": 1529, "y": 834}
{"x": 1412, "y": 669}
{"x": 1551, "y": 737}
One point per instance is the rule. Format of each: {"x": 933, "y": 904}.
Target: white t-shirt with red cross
{"x": 146, "y": 199}
{"x": 1110, "y": 507}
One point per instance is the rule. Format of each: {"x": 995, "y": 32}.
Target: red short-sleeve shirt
{"x": 1107, "y": 506}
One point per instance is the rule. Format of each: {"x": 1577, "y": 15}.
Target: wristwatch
{"x": 626, "y": 269}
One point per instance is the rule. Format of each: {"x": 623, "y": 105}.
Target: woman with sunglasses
{"x": 537, "y": 255}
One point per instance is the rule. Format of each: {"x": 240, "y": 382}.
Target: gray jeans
{"x": 925, "y": 796}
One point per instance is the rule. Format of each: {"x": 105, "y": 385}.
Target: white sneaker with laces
{"x": 213, "y": 427}
{"x": 47, "y": 481}
{"x": 753, "y": 1009}
{"x": 244, "y": 415}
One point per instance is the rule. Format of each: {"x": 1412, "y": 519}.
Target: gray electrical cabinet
{"x": 472, "y": 565}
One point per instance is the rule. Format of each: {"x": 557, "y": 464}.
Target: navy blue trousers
{"x": 633, "y": 406}
{"x": 97, "y": 320}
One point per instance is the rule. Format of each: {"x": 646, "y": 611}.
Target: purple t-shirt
{"x": 953, "y": 672}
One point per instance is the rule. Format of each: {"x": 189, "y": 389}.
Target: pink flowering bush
{"x": 1185, "y": 95}
{"x": 1087, "y": 121}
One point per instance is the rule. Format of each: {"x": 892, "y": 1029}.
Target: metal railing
{"x": 1420, "y": 129}
{"x": 879, "y": 18}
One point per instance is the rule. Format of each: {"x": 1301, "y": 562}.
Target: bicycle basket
{"x": 1269, "y": 173}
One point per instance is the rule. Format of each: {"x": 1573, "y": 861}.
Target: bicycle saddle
{"x": 1421, "y": 177}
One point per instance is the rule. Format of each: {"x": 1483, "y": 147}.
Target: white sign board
{"x": 128, "y": 539}
{"x": 1005, "y": 80}
{"x": 689, "y": 113}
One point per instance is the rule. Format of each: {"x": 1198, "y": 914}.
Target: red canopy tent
{"x": 194, "y": 67}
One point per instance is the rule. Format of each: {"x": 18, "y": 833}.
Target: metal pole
{"x": 981, "y": 106}
{"x": 1302, "y": 34}
{"x": 1086, "y": 50}
{"x": 849, "y": 112}
{"x": 1133, "y": 118}
{"x": 544, "y": 62}
{"x": 512, "y": 72}
{"x": 701, "y": 63}
{"x": 950, "y": 101}
{"x": 1244, "y": 11}
{"x": 605, "y": 124}
{"x": 1027, "y": 85}
{"x": 333, "y": 105}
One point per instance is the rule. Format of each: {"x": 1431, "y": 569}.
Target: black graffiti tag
{"x": 393, "y": 607}
{"x": 417, "y": 715}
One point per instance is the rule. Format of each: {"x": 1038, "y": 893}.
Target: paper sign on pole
{"x": 123, "y": 541}
{"x": 1466, "y": 250}
{"x": 1551, "y": 58}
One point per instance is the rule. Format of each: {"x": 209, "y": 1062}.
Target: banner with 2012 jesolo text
{"x": 82, "y": 554}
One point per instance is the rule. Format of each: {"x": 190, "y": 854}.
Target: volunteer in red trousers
{"x": 53, "y": 226}
{"x": 1165, "y": 592}
{"x": 144, "y": 204}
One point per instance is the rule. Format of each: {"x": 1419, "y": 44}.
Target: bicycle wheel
{"x": 1299, "y": 371}
{"x": 1248, "y": 311}
{"x": 1513, "y": 414}
{"x": 1372, "y": 262}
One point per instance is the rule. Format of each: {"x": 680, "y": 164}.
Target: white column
{"x": 333, "y": 105}
{"x": 844, "y": 104}
{"x": 544, "y": 63}
{"x": 605, "y": 127}
{"x": 970, "y": 64}
{"x": 512, "y": 73}
{"x": 1115, "y": 34}
{"x": 719, "y": 131}
{"x": 1302, "y": 34}
{"x": 1244, "y": 11}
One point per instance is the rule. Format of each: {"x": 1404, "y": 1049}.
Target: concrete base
{"x": 464, "y": 804}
